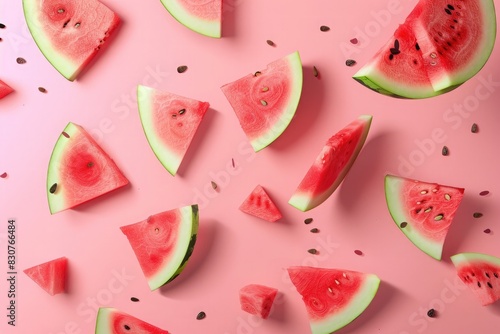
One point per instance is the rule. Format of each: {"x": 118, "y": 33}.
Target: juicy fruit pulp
{"x": 257, "y": 299}
{"x": 441, "y": 45}
{"x": 331, "y": 165}
{"x": 423, "y": 211}
{"x": 481, "y": 273}
{"x": 4, "y": 89}
{"x": 260, "y": 205}
{"x": 265, "y": 101}
{"x": 333, "y": 297}
{"x": 79, "y": 170}
{"x": 50, "y": 276}
{"x": 70, "y": 32}
{"x": 170, "y": 123}
{"x": 112, "y": 321}
{"x": 163, "y": 243}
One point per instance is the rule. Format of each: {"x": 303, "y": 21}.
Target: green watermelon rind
{"x": 103, "y": 320}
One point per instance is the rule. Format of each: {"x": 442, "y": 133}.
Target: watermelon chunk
{"x": 79, "y": 170}
{"x": 4, "y": 89}
{"x": 163, "y": 243}
{"x": 265, "y": 101}
{"x": 423, "y": 211}
{"x": 50, "y": 276}
{"x": 112, "y": 321}
{"x": 333, "y": 297}
{"x": 260, "y": 205}
{"x": 331, "y": 165}
{"x": 257, "y": 299}
{"x": 69, "y": 33}
{"x": 170, "y": 123}
{"x": 204, "y": 17}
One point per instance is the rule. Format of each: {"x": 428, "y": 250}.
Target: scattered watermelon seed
{"x": 484, "y": 193}
{"x": 232, "y": 163}
{"x": 495, "y": 274}
{"x": 358, "y": 252}
{"x": 263, "y": 102}
{"x": 447, "y": 197}
{"x": 445, "y": 150}
{"x": 315, "y": 71}
{"x": 201, "y": 315}
{"x": 474, "y": 128}
{"x": 451, "y": 7}
{"x": 21, "y": 60}
{"x": 314, "y": 230}
{"x": 487, "y": 231}
{"x": 477, "y": 215}
{"x": 489, "y": 285}
{"x": 4, "y": 175}
{"x": 182, "y": 111}
{"x": 324, "y": 28}
{"x": 127, "y": 327}
{"x": 271, "y": 43}
{"x": 53, "y": 188}
{"x": 182, "y": 69}
{"x": 417, "y": 46}
{"x": 391, "y": 56}
{"x": 214, "y": 185}
{"x": 403, "y": 224}
{"x": 42, "y": 90}
{"x": 134, "y": 299}
{"x": 312, "y": 251}
{"x": 308, "y": 221}
{"x": 487, "y": 275}
{"x": 447, "y": 11}
{"x": 354, "y": 41}
{"x": 2, "y": 26}
{"x": 431, "y": 313}
{"x": 479, "y": 284}
{"x": 350, "y": 62}
{"x": 65, "y": 134}
{"x": 439, "y": 217}
{"x": 396, "y": 44}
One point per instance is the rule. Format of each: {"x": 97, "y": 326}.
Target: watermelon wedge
{"x": 69, "y": 33}
{"x": 257, "y": 299}
{"x": 331, "y": 165}
{"x": 50, "y": 276}
{"x": 481, "y": 273}
{"x": 4, "y": 89}
{"x": 440, "y": 45}
{"x": 423, "y": 211}
{"x": 170, "y": 122}
{"x": 333, "y": 297}
{"x": 79, "y": 170}
{"x": 112, "y": 321}
{"x": 260, "y": 205}
{"x": 163, "y": 243}
{"x": 265, "y": 101}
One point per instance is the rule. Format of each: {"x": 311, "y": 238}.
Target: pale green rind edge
{"x": 469, "y": 257}
{"x": 392, "y": 187}
{"x": 204, "y": 27}
{"x": 102, "y": 324}
{"x": 358, "y": 304}
{"x": 304, "y": 202}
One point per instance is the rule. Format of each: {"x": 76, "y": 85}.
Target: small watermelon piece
{"x": 50, "y": 276}
{"x": 481, "y": 273}
{"x": 79, "y": 170}
{"x": 265, "y": 101}
{"x": 423, "y": 211}
{"x": 333, "y": 297}
{"x": 260, "y": 205}
{"x": 257, "y": 299}
{"x": 69, "y": 33}
{"x": 331, "y": 165}
{"x": 204, "y": 17}
{"x": 112, "y": 321}
{"x": 170, "y": 123}
{"x": 4, "y": 89}
{"x": 163, "y": 243}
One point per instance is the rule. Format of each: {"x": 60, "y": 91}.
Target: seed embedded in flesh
{"x": 477, "y": 215}
{"x": 308, "y": 221}
{"x": 330, "y": 289}
{"x": 127, "y": 327}
{"x": 391, "y": 56}
{"x": 439, "y": 217}
{"x": 433, "y": 55}
{"x": 495, "y": 274}
{"x": 337, "y": 282}
{"x": 429, "y": 209}
{"x": 65, "y": 134}
{"x": 451, "y": 7}
{"x": 60, "y": 10}
{"x": 90, "y": 164}
{"x": 396, "y": 44}
{"x": 263, "y": 102}
{"x": 474, "y": 128}
{"x": 445, "y": 151}
{"x": 447, "y": 197}
{"x": 403, "y": 224}
{"x": 447, "y": 11}
{"x": 265, "y": 89}
{"x": 479, "y": 284}
{"x": 324, "y": 28}
{"x": 182, "y": 111}
{"x": 77, "y": 24}
{"x": 417, "y": 46}
{"x": 201, "y": 315}
{"x": 489, "y": 285}
{"x": 53, "y": 188}
{"x": 423, "y": 192}
{"x": 394, "y": 51}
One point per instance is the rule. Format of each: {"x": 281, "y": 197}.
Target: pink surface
{"x": 235, "y": 249}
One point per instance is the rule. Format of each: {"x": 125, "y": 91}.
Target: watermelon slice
{"x": 79, "y": 170}
{"x": 481, "y": 273}
{"x": 257, "y": 299}
{"x": 265, "y": 101}
{"x": 423, "y": 211}
{"x": 204, "y": 16}
{"x": 333, "y": 297}
{"x": 441, "y": 45}
{"x": 170, "y": 122}
{"x": 50, "y": 276}
{"x": 331, "y": 165}
{"x": 4, "y": 89}
{"x": 112, "y": 321}
{"x": 163, "y": 243}
{"x": 69, "y": 33}
{"x": 260, "y": 205}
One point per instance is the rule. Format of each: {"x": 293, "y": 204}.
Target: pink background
{"x": 235, "y": 249}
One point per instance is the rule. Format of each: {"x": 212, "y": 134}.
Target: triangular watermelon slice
{"x": 170, "y": 122}
{"x": 204, "y": 17}
{"x": 265, "y": 101}
{"x": 331, "y": 165}
{"x": 423, "y": 211}
{"x": 50, "y": 276}
{"x": 333, "y": 297}
{"x": 79, "y": 170}
{"x": 69, "y": 33}
{"x": 112, "y": 321}
{"x": 4, "y": 89}
{"x": 163, "y": 243}
{"x": 260, "y": 205}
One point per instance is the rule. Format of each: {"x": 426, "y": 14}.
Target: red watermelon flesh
{"x": 257, "y": 299}
{"x": 4, "y": 89}
{"x": 69, "y": 33}
{"x": 50, "y": 276}
{"x": 112, "y": 321}
{"x": 260, "y": 205}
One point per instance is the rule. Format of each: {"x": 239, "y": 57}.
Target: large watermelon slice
{"x": 202, "y": 16}
{"x": 79, "y": 170}
{"x": 257, "y": 299}
{"x": 331, "y": 165}
{"x": 260, "y": 205}
{"x": 422, "y": 211}
{"x": 481, "y": 273}
{"x": 441, "y": 45}
{"x": 163, "y": 243}
{"x": 266, "y": 100}
{"x": 50, "y": 276}
{"x": 333, "y": 297}
{"x": 170, "y": 122}
{"x": 69, "y": 32}
{"x": 4, "y": 89}
{"x": 112, "y": 321}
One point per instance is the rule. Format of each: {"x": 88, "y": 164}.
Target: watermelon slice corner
{"x": 5, "y": 89}
{"x": 260, "y": 205}
{"x": 50, "y": 276}
{"x": 110, "y": 320}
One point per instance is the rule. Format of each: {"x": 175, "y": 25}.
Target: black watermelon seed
{"x": 451, "y": 7}
{"x": 489, "y": 285}
{"x": 214, "y": 185}
{"x": 0, "y": 39}
{"x": 477, "y": 215}
{"x": 2, "y": 26}
{"x": 271, "y": 43}
{"x": 487, "y": 231}
{"x": 487, "y": 275}
{"x": 391, "y": 56}
{"x": 324, "y": 28}
{"x": 474, "y": 128}
{"x": 127, "y": 327}
{"x": 484, "y": 193}
{"x": 396, "y": 44}
{"x": 182, "y": 69}
{"x": 65, "y": 134}
{"x": 201, "y": 315}
{"x": 447, "y": 11}
{"x": 403, "y": 224}
{"x": 308, "y": 221}
{"x": 42, "y": 90}
{"x": 394, "y": 51}
{"x": 417, "y": 46}
{"x": 134, "y": 299}
{"x": 256, "y": 74}
{"x": 314, "y": 230}
{"x": 232, "y": 163}
{"x": 53, "y": 188}
{"x": 495, "y": 274}
{"x": 479, "y": 284}
{"x": 431, "y": 313}
{"x": 182, "y": 111}
{"x": 90, "y": 164}
{"x": 445, "y": 151}
{"x": 358, "y": 252}
{"x": 315, "y": 71}
{"x": 312, "y": 251}
{"x": 350, "y": 62}
{"x": 354, "y": 41}
{"x": 21, "y": 60}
